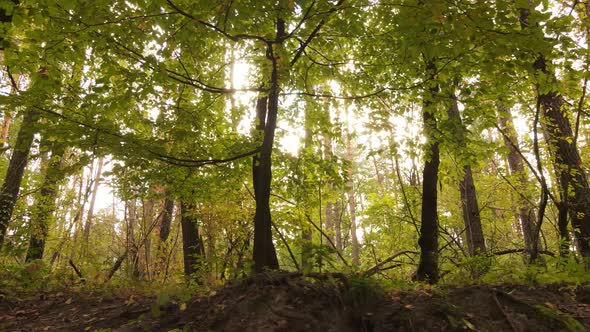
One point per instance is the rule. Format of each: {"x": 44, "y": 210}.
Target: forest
{"x": 385, "y": 162}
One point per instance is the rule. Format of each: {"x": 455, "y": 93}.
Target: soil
{"x": 317, "y": 302}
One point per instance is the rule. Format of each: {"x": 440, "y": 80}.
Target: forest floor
{"x": 290, "y": 302}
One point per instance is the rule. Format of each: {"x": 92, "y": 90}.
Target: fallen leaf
{"x": 69, "y": 301}
{"x": 469, "y": 324}
{"x": 182, "y": 306}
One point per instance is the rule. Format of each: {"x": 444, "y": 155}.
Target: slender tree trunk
{"x": 264, "y": 253}
{"x": 526, "y": 212}
{"x": 351, "y": 201}
{"x": 131, "y": 243}
{"x": 330, "y": 206}
{"x": 338, "y": 208}
{"x": 16, "y": 169}
{"x": 45, "y": 203}
{"x": 147, "y": 220}
{"x": 90, "y": 215}
{"x": 469, "y": 204}
{"x": 428, "y": 241}
{"x": 192, "y": 247}
{"x": 306, "y": 233}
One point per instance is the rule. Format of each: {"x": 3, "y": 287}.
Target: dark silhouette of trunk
{"x": 264, "y": 253}
{"x": 526, "y": 211}
{"x": 90, "y": 214}
{"x": 167, "y": 215}
{"x": 16, "y": 168}
{"x": 428, "y": 241}
{"x": 562, "y": 145}
{"x": 469, "y": 204}
{"x": 45, "y": 203}
{"x": 191, "y": 241}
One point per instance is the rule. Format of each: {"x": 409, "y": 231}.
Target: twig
{"x": 378, "y": 267}
{"x": 327, "y": 238}
{"x": 78, "y": 273}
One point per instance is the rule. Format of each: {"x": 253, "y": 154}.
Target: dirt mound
{"x": 316, "y": 302}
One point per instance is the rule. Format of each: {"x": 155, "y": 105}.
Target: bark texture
{"x": 16, "y": 169}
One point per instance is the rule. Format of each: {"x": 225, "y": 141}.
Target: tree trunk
{"x": 191, "y": 244}
{"x": 469, "y": 204}
{"x": 167, "y": 214}
{"x": 264, "y": 253}
{"x": 330, "y": 206}
{"x": 90, "y": 215}
{"x": 7, "y": 121}
{"x": 338, "y": 208}
{"x": 526, "y": 212}
{"x": 306, "y": 233}
{"x": 45, "y": 204}
{"x": 566, "y": 158}
{"x": 351, "y": 201}
{"x": 16, "y": 169}
{"x": 428, "y": 241}
{"x": 131, "y": 243}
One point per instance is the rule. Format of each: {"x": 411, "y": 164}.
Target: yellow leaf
{"x": 68, "y": 301}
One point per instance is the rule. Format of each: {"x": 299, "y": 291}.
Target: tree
{"x": 469, "y": 204}
{"x": 45, "y": 202}
{"x": 191, "y": 241}
{"x": 566, "y": 158}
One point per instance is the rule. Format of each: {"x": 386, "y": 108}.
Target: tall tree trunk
{"x": 330, "y": 206}
{"x": 351, "y": 200}
{"x": 338, "y": 208}
{"x": 469, "y": 204}
{"x": 526, "y": 211}
{"x": 131, "y": 243}
{"x": 306, "y": 233}
{"x": 90, "y": 215}
{"x": 264, "y": 253}
{"x": 146, "y": 224}
{"x": 45, "y": 204}
{"x": 191, "y": 244}
{"x": 566, "y": 158}
{"x": 16, "y": 169}
{"x": 428, "y": 241}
